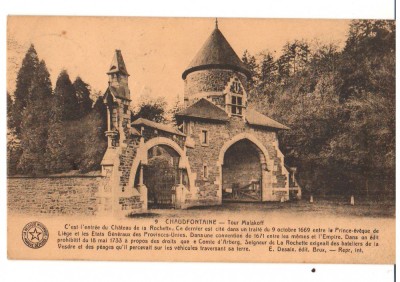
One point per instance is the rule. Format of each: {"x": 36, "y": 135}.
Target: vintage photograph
{"x": 201, "y": 139}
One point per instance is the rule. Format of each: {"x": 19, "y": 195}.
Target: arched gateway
{"x": 162, "y": 166}
{"x": 219, "y": 149}
{"x": 245, "y": 169}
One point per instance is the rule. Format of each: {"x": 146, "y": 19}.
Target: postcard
{"x": 201, "y": 139}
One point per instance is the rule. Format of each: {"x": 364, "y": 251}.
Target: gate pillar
{"x": 266, "y": 194}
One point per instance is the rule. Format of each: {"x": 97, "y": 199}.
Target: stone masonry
{"x": 215, "y": 118}
{"x": 54, "y": 195}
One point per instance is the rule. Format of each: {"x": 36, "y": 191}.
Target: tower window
{"x": 237, "y": 104}
{"x": 205, "y": 171}
{"x": 236, "y": 87}
{"x": 204, "y": 137}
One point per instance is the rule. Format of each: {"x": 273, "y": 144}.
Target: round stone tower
{"x": 211, "y": 70}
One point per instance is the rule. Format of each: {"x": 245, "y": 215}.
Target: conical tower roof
{"x": 216, "y": 53}
{"x": 118, "y": 64}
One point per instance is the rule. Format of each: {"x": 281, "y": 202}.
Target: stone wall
{"x": 150, "y": 133}
{"x": 129, "y": 151}
{"x": 66, "y": 195}
{"x": 219, "y": 133}
{"x": 126, "y": 160}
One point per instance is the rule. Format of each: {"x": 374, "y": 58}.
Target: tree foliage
{"x": 340, "y": 106}
{"x": 176, "y": 108}
{"x": 57, "y": 131}
{"x": 66, "y": 105}
{"x": 34, "y": 127}
{"x": 151, "y": 109}
{"x": 82, "y": 91}
{"x": 251, "y": 64}
{"x": 24, "y": 86}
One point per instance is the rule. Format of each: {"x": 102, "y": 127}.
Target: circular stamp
{"x": 35, "y": 235}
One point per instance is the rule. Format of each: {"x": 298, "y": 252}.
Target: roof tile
{"x": 204, "y": 109}
{"x": 216, "y": 53}
{"x": 255, "y": 118}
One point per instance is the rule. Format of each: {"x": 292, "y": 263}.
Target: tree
{"x": 66, "y": 100}
{"x": 34, "y": 127}
{"x": 24, "y": 86}
{"x": 369, "y": 50}
{"x": 13, "y": 143}
{"x": 90, "y": 134}
{"x": 340, "y": 107}
{"x": 59, "y": 157}
{"x": 251, "y": 64}
{"x": 13, "y": 151}
{"x": 10, "y": 105}
{"x": 83, "y": 95}
{"x": 89, "y": 145}
{"x": 100, "y": 108}
{"x": 325, "y": 58}
{"x": 295, "y": 57}
{"x": 151, "y": 109}
{"x": 176, "y": 108}
{"x": 268, "y": 69}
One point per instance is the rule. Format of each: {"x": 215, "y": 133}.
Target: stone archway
{"x": 141, "y": 159}
{"x": 247, "y": 189}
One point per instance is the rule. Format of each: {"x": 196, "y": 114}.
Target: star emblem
{"x": 35, "y": 234}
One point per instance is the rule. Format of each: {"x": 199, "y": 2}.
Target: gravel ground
{"x": 337, "y": 207}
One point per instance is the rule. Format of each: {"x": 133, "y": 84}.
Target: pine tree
{"x": 34, "y": 127}
{"x": 24, "y": 86}
{"x": 251, "y": 64}
{"x": 268, "y": 69}
{"x": 59, "y": 157}
{"x": 295, "y": 57}
{"x": 66, "y": 100}
{"x": 83, "y": 95}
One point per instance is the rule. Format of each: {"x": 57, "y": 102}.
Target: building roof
{"x": 216, "y": 53}
{"x": 255, "y": 118}
{"x": 118, "y": 64}
{"x": 204, "y": 109}
{"x": 156, "y": 125}
{"x": 118, "y": 92}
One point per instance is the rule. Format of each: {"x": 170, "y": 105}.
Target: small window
{"x": 205, "y": 171}
{"x": 236, "y": 87}
{"x": 237, "y": 104}
{"x": 204, "y": 137}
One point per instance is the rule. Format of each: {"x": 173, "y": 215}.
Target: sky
{"x": 156, "y": 50}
